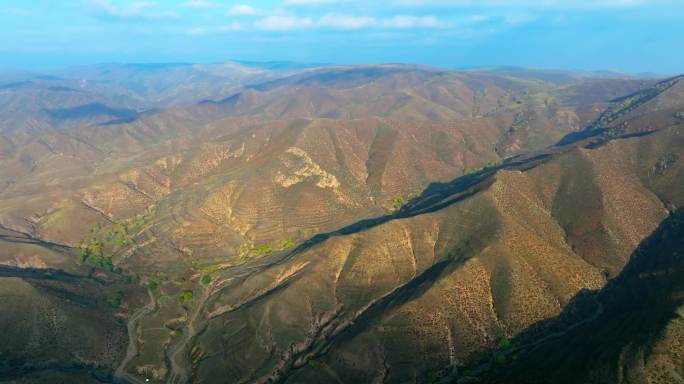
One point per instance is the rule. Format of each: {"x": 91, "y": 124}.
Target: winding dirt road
{"x": 120, "y": 375}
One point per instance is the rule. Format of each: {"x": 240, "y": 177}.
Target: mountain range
{"x": 284, "y": 223}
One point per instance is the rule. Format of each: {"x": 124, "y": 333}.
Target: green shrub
{"x": 98, "y": 250}
{"x": 287, "y": 243}
{"x": 471, "y": 170}
{"x": 397, "y": 201}
{"x": 115, "y": 300}
{"x": 206, "y": 279}
{"x": 504, "y": 343}
{"x": 263, "y": 249}
{"x": 185, "y": 297}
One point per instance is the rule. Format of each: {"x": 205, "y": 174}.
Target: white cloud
{"x": 243, "y": 10}
{"x": 478, "y": 18}
{"x": 334, "y": 20}
{"x": 232, "y": 27}
{"x": 198, "y": 31}
{"x": 518, "y": 18}
{"x": 133, "y": 11}
{"x": 550, "y": 4}
{"x": 284, "y": 23}
{"x": 344, "y": 21}
{"x": 403, "y": 22}
{"x": 558, "y": 4}
{"x": 341, "y": 21}
{"x": 199, "y": 4}
{"x": 314, "y": 2}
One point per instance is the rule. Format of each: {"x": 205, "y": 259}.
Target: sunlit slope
{"x": 437, "y": 288}
{"x": 203, "y": 162}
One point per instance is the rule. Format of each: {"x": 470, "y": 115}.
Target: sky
{"x": 626, "y": 35}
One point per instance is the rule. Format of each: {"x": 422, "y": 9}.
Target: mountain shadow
{"x": 608, "y": 336}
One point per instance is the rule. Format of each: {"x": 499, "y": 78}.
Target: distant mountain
{"x": 96, "y": 94}
{"x": 40, "y": 104}
{"x": 167, "y": 84}
{"x": 561, "y": 75}
{"x": 281, "y": 65}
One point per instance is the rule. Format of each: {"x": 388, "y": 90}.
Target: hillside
{"x": 417, "y": 126}
{"x": 435, "y": 286}
{"x": 629, "y": 331}
{"x": 338, "y": 224}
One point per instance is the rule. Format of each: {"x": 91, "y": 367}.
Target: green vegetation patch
{"x": 473, "y": 170}
{"x": 500, "y": 359}
{"x": 185, "y": 297}
{"x": 397, "y": 201}
{"x": 287, "y": 243}
{"x": 211, "y": 269}
{"x": 116, "y": 299}
{"x": 102, "y": 243}
{"x": 263, "y": 249}
{"x": 504, "y": 343}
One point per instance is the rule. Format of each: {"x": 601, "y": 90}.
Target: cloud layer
{"x": 456, "y": 32}
{"x": 349, "y": 22}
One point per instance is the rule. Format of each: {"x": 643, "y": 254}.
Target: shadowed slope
{"x": 628, "y": 332}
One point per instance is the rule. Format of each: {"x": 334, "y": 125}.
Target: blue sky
{"x": 629, "y": 35}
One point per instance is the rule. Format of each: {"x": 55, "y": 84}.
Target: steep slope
{"x": 631, "y": 331}
{"x": 57, "y": 325}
